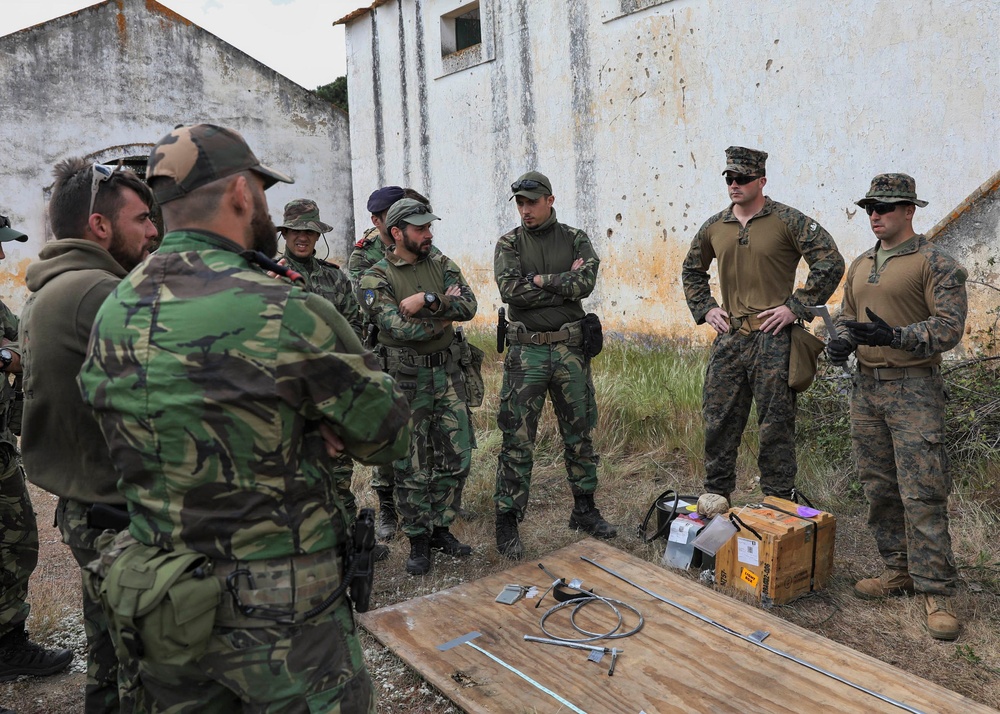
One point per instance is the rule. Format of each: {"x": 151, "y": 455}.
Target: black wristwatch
{"x": 430, "y": 300}
{"x": 6, "y": 357}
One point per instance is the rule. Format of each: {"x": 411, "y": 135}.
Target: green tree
{"x": 335, "y": 92}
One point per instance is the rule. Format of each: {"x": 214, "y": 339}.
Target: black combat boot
{"x": 586, "y": 517}
{"x": 19, "y": 655}
{"x": 456, "y": 503}
{"x": 385, "y": 525}
{"x": 419, "y": 562}
{"x": 442, "y": 539}
{"x": 508, "y": 541}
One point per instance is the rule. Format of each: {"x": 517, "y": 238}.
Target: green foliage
{"x": 335, "y": 92}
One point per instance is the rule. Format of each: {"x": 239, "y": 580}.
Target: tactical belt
{"x": 435, "y": 359}
{"x": 258, "y": 593}
{"x": 887, "y": 374}
{"x": 539, "y": 338}
{"x": 745, "y": 325}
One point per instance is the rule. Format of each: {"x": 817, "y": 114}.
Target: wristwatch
{"x": 6, "y": 357}
{"x": 430, "y": 300}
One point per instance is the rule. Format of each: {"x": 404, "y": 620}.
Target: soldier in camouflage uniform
{"x": 544, "y": 269}
{"x": 414, "y": 297}
{"x": 224, "y": 395}
{"x": 100, "y": 237}
{"x": 18, "y": 532}
{"x": 301, "y": 229}
{"x": 758, "y": 244}
{"x": 904, "y": 305}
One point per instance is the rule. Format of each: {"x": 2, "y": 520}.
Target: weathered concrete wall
{"x": 110, "y": 80}
{"x": 629, "y": 114}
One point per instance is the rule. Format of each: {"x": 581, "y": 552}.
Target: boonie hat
{"x": 531, "y": 185}
{"x": 192, "y": 156}
{"x": 8, "y": 234}
{"x": 409, "y": 210}
{"x": 302, "y": 214}
{"x": 892, "y": 188}
{"x": 384, "y": 197}
{"x": 748, "y": 162}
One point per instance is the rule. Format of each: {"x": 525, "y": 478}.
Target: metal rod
{"x": 563, "y": 643}
{"x": 528, "y": 679}
{"x": 755, "y": 642}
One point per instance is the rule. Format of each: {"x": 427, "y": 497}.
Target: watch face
{"x": 6, "y": 356}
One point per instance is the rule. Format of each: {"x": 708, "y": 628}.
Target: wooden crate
{"x": 784, "y": 556}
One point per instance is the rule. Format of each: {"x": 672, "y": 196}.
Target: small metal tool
{"x": 824, "y": 312}
{"x": 594, "y": 649}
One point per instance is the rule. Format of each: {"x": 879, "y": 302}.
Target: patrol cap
{"x": 8, "y": 234}
{"x": 531, "y": 185}
{"x": 892, "y": 188}
{"x": 748, "y": 162}
{"x": 193, "y": 156}
{"x": 302, "y": 214}
{"x": 384, "y": 197}
{"x": 408, "y": 210}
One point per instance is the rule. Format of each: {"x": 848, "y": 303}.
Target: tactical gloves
{"x": 839, "y": 350}
{"x": 876, "y": 333}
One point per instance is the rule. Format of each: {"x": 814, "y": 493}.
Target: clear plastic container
{"x": 715, "y": 534}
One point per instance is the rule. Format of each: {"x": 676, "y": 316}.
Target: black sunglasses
{"x": 880, "y": 208}
{"x": 527, "y": 185}
{"x": 739, "y": 179}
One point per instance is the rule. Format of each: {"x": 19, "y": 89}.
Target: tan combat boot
{"x": 891, "y": 582}
{"x": 941, "y": 621}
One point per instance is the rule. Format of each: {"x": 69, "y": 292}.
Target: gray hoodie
{"x": 63, "y": 449}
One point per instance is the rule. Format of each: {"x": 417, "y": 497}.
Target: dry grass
{"x": 650, "y": 439}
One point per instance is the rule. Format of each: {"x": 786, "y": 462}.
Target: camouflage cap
{"x": 748, "y": 162}
{"x": 302, "y": 214}
{"x": 408, "y": 210}
{"x": 8, "y": 234}
{"x": 892, "y": 188}
{"x": 193, "y": 156}
{"x": 531, "y": 185}
{"x": 382, "y": 198}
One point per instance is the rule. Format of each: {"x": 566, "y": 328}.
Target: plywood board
{"x": 675, "y": 663}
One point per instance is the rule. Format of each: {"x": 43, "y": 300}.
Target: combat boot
{"x": 942, "y": 624}
{"x": 456, "y": 503}
{"x": 442, "y": 539}
{"x": 508, "y": 540}
{"x": 19, "y": 655}
{"x": 385, "y": 525}
{"x": 585, "y": 517}
{"x": 890, "y": 583}
{"x": 419, "y": 562}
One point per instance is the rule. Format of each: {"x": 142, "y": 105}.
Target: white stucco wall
{"x": 630, "y": 118}
{"x": 112, "y": 79}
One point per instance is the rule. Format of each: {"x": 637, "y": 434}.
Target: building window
{"x": 461, "y": 29}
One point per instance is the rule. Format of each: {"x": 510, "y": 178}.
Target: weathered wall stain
{"x": 403, "y": 93}
{"x": 426, "y": 176}
{"x": 377, "y": 98}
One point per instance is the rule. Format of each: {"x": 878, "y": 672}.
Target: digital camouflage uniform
{"x": 423, "y": 355}
{"x": 897, "y": 421}
{"x": 756, "y": 267}
{"x": 558, "y": 368}
{"x": 210, "y": 380}
{"x": 328, "y": 280}
{"x": 18, "y": 532}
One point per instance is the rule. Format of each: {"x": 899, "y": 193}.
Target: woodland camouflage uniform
{"x": 210, "y": 380}
{"x": 756, "y": 267}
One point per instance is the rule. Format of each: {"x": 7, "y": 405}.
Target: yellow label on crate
{"x": 749, "y": 577}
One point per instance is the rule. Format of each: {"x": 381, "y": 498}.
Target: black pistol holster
{"x": 359, "y": 560}
{"x": 501, "y": 330}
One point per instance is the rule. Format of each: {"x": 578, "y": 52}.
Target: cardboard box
{"x": 780, "y": 553}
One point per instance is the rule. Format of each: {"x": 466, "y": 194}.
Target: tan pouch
{"x": 802, "y": 357}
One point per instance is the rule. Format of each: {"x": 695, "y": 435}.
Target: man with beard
{"x": 18, "y": 531}
{"x": 100, "y": 216}
{"x": 758, "y": 244}
{"x": 414, "y": 296}
{"x": 224, "y": 395}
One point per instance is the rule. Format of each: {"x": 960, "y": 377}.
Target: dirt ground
{"x": 890, "y": 631}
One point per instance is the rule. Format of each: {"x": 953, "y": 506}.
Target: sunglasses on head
{"x": 881, "y": 208}
{"x": 415, "y": 211}
{"x": 99, "y": 174}
{"x": 528, "y": 185}
{"x": 739, "y": 179}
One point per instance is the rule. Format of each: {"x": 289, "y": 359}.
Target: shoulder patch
{"x": 369, "y": 297}
{"x": 813, "y": 226}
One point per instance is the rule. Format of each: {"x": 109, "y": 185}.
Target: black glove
{"x": 876, "y": 333}
{"x": 839, "y": 350}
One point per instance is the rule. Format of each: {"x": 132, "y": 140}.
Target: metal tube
{"x": 562, "y": 643}
{"x": 757, "y": 643}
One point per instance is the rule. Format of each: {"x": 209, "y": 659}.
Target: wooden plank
{"x": 675, "y": 663}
